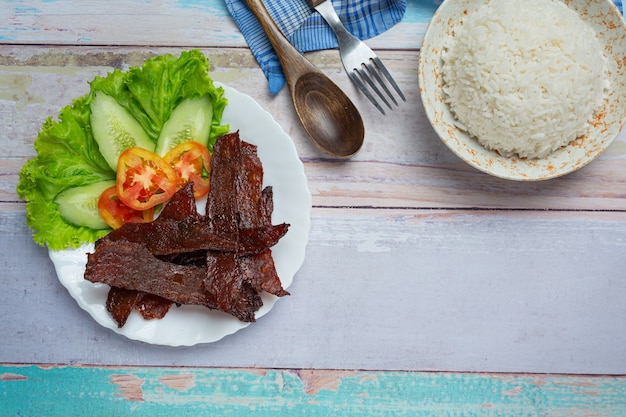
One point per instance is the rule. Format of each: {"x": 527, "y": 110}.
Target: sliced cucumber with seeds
{"x": 115, "y": 129}
{"x": 79, "y": 205}
{"x": 190, "y": 120}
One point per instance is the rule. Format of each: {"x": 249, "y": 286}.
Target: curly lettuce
{"x": 68, "y": 155}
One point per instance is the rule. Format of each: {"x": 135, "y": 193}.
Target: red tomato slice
{"x": 144, "y": 179}
{"x": 191, "y": 162}
{"x": 115, "y": 213}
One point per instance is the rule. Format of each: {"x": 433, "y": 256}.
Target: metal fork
{"x": 361, "y": 63}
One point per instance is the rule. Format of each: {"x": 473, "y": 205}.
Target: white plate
{"x": 189, "y": 325}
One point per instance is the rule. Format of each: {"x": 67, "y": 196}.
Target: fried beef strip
{"x": 120, "y": 301}
{"x": 222, "y": 269}
{"x": 241, "y": 179}
{"x": 179, "y": 258}
{"x": 170, "y": 237}
{"x": 232, "y": 294}
{"x": 151, "y": 306}
{"x": 249, "y": 185}
{"x": 255, "y": 210}
{"x": 119, "y": 263}
{"x": 181, "y": 205}
{"x": 221, "y": 206}
{"x": 166, "y": 236}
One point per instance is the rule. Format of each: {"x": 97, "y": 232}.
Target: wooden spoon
{"x": 326, "y": 113}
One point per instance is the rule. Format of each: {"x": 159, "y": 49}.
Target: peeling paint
{"x": 83, "y": 390}
{"x": 315, "y": 380}
{"x": 128, "y": 386}
{"x": 15, "y": 88}
{"x": 513, "y": 392}
{"x": 179, "y": 382}
{"x": 12, "y": 377}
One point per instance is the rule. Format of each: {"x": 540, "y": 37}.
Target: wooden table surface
{"x": 428, "y": 288}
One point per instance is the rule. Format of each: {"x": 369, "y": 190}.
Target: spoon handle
{"x": 293, "y": 63}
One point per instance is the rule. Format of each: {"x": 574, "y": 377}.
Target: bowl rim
{"x": 604, "y": 17}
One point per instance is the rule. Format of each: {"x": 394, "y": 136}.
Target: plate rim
{"x": 297, "y": 255}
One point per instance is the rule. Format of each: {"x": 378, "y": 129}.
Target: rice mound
{"x": 524, "y": 77}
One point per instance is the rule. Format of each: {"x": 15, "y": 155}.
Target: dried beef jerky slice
{"x": 222, "y": 270}
{"x": 172, "y": 237}
{"x": 259, "y": 270}
{"x": 256, "y": 240}
{"x": 221, "y": 208}
{"x": 179, "y": 228}
{"x": 152, "y": 306}
{"x": 120, "y": 303}
{"x": 233, "y": 295}
{"x": 181, "y": 205}
{"x": 249, "y": 184}
{"x": 255, "y": 210}
{"x": 130, "y": 265}
{"x": 167, "y": 236}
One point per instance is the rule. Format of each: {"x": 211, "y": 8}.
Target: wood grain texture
{"x": 188, "y": 23}
{"x": 435, "y": 290}
{"x": 416, "y": 261}
{"x": 402, "y": 163}
{"x": 61, "y": 391}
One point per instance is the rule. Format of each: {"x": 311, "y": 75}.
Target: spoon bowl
{"x": 330, "y": 120}
{"x": 327, "y": 114}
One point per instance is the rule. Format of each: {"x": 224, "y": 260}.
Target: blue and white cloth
{"x": 307, "y": 30}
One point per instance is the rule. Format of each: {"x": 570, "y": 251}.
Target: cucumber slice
{"x": 190, "y": 120}
{"x": 115, "y": 129}
{"x": 79, "y": 205}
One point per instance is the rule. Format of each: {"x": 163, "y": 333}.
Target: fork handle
{"x": 328, "y": 12}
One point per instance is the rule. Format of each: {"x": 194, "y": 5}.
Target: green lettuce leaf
{"x": 68, "y": 155}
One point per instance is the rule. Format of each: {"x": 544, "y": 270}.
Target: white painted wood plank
{"x": 402, "y": 164}
{"x": 164, "y": 23}
{"x": 399, "y": 289}
{"x": 405, "y": 269}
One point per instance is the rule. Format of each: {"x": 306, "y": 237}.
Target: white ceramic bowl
{"x": 609, "y": 25}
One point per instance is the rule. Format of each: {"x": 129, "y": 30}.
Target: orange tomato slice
{"x": 192, "y": 162}
{"x": 144, "y": 179}
{"x": 115, "y": 213}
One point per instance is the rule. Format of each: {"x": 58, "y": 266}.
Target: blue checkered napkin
{"x": 618, "y": 3}
{"x": 307, "y": 30}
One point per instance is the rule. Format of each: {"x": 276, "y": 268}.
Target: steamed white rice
{"x": 524, "y": 77}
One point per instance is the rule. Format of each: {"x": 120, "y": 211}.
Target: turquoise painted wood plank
{"x": 420, "y": 11}
{"x": 117, "y": 391}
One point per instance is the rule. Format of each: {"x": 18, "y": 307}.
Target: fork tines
{"x": 373, "y": 69}
{"x": 360, "y": 62}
